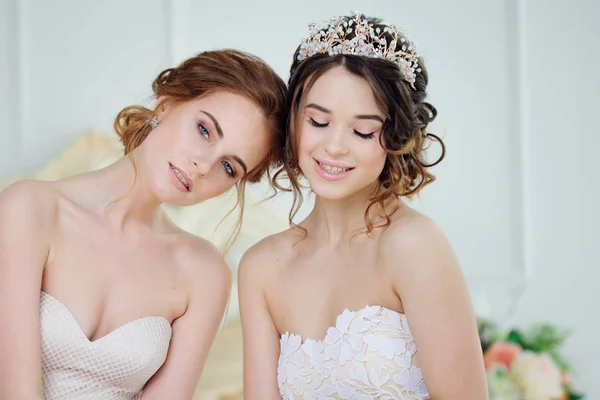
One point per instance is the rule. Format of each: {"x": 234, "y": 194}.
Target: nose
{"x": 202, "y": 164}
{"x": 336, "y": 143}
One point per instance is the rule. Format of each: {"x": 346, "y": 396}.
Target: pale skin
{"x": 409, "y": 267}
{"x": 107, "y": 250}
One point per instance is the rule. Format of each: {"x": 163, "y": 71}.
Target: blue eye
{"x": 229, "y": 169}
{"x": 203, "y": 131}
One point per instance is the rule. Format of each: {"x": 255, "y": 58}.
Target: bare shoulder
{"x": 36, "y": 200}
{"x": 419, "y": 242}
{"x": 27, "y": 189}
{"x": 28, "y": 212}
{"x": 200, "y": 249}
{"x": 262, "y": 259}
{"x": 427, "y": 278}
{"x": 410, "y": 227}
{"x": 271, "y": 247}
{"x": 202, "y": 264}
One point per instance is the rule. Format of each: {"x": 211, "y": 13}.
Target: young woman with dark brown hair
{"x": 364, "y": 299}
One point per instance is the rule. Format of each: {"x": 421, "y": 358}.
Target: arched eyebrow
{"x": 221, "y": 135}
{"x": 242, "y": 163}
{"x": 360, "y": 116}
{"x": 215, "y": 122}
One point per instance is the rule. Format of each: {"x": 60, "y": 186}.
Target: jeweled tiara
{"x": 330, "y": 37}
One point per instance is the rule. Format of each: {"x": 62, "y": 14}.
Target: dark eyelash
{"x": 316, "y": 124}
{"x": 365, "y": 135}
{"x": 229, "y": 167}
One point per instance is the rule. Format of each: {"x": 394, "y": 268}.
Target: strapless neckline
{"x": 159, "y": 319}
{"x": 338, "y": 321}
{"x": 114, "y": 366}
{"x": 368, "y": 354}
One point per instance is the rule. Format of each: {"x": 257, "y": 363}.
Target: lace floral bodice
{"x": 367, "y": 355}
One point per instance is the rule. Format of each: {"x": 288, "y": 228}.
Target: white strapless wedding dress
{"x": 115, "y": 366}
{"x": 367, "y": 355}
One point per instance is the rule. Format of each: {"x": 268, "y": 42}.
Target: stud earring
{"x": 154, "y": 122}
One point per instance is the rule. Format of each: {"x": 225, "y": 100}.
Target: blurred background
{"x": 513, "y": 82}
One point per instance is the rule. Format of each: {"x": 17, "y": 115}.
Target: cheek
{"x": 308, "y": 141}
{"x": 214, "y": 187}
{"x": 171, "y": 137}
{"x": 373, "y": 155}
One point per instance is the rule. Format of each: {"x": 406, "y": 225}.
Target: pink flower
{"x": 501, "y": 353}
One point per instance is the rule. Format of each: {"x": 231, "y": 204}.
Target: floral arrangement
{"x": 526, "y": 365}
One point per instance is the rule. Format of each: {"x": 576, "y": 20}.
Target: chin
{"x": 178, "y": 200}
{"x": 166, "y": 193}
{"x": 166, "y": 198}
{"x": 339, "y": 190}
{"x": 181, "y": 202}
{"x": 330, "y": 190}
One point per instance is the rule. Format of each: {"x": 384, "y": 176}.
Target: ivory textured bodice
{"x": 115, "y": 366}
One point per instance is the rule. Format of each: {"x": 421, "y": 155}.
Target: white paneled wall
{"x": 515, "y": 96}
{"x": 474, "y": 109}
{"x": 10, "y": 141}
{"x": 79, "y": 62}
{"x": 73, "y": 65}
{"x": 561, "y": 89}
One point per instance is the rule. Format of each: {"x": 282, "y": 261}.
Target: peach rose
{"x": 501, "y": 353}
{"x": 538, "y": 376}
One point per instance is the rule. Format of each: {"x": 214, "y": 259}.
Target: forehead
{"x": 343, "y": 92}
{"x": 244, "y": 126}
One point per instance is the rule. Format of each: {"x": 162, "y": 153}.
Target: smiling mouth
{"x": 180, "y": 177}
{"x": 332, "y": 169}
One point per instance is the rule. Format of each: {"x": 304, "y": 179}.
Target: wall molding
{"x": 177, "y": 14}
{"x": 23, "y": 73}
{"x": 13, "y": 75}
{"x": 520, "y": 199}
{"x": 524, "y": 137}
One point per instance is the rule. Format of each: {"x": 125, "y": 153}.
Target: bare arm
{"x": 260, "y": 336}
{"x": 439, "y": 311}
{"x": 25, "y": 231}
{"x": 194, "y": 332}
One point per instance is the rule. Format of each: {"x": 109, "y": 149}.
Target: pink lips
{"x": 175, "y": 179}
{"x": 332, "y": 176}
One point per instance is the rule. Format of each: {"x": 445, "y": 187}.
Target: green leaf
{"x": 487, "y": 333}
{"x": 545, "y": 338}
{"x": 571, "y": 395}
{"x": 515, "y": 336}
